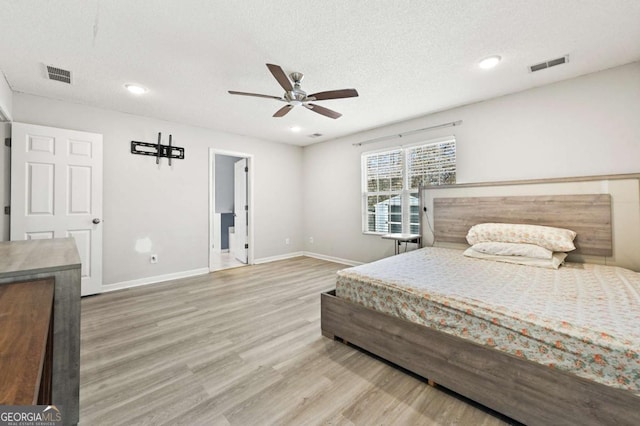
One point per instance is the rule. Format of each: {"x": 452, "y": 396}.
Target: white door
{"x": 56, "y": 192}
{"x": 241, "y": 210}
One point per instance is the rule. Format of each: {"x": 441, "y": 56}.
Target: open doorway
{"x": 230, "y": 212}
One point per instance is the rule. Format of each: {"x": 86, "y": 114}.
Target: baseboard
{"x": 202, "y": 271}
{"x": 278, "y": 257}
{"x": 153, "y": 280}
{"x": 332, "y": 258}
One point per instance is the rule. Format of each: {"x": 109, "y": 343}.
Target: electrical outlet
{"x": 153, "y": 258}
{"x": 311, "y": 240}
{"x": 287, "y": 241}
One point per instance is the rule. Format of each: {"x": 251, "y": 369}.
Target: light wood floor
{"x": 243, "y": 347}
{"x": 226, "y": 260}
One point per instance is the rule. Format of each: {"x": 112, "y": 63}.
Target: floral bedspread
{"x": 581, "y": 318}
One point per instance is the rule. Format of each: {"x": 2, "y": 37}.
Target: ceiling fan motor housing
{"x": 296, "y": 96}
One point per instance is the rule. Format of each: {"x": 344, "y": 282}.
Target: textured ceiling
{"x": 406, "y": 58}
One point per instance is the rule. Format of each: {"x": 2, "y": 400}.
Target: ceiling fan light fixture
{"x": 490, "y": 62}
{"x": 136, "y": 89}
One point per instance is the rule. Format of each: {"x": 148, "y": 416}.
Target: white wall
{"x": 169, "y": 206}
{"x": 584, "y": 126}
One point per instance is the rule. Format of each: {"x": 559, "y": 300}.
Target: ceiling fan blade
{"x": 334, "y": 94}
{"x": 324, "y": 111}
{"x": 283, "y": 111}
{"x": 280, "y": 76}
{"x": 257, "y": 95}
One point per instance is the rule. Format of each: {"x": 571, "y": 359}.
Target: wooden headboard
{"x": 589, "y": 215}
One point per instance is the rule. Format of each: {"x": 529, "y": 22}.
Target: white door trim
{"x": 240, "y": 252}
{"x": 212, "y": 200}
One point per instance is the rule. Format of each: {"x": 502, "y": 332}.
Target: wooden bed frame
{"x": 526, "y": 391}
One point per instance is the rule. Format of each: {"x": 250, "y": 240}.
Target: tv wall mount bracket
{"x": 157, "y": 149}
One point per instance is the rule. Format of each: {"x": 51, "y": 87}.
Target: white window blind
{"x": 432, "y": 164}
{"x": 384, "y": 171}
{"x": 384, "y": 181}
{"x": 391, "y": 179}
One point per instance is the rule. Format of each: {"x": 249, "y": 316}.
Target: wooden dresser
{"x": 23, "y": 266}
{"x": 26, "y": 342}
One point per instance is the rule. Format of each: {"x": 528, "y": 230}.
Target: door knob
{"x": 96, "y": 221}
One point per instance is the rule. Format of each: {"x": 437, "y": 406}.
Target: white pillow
{"x": 554, "y": 239}
{"x": 554, "y": 263}
{"x": 513, "y": 249}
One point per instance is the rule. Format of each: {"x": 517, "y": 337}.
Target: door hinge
{"x": 246, "y": 246}
{"x": 7, "y": 142}
{"x": 246, "y": 169}
{"x": 246, "y": 208}
{"x": 7, "y": 209}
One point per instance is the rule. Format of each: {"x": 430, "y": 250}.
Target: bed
{"x": 478, "y": 328}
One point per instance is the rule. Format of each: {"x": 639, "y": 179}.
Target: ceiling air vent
{"x": 549, "y": 64}
{"x": 58, "y": 74}
{"x": 315, "y": 135}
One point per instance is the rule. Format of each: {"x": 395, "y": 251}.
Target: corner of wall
{"x": 6, "y": 98}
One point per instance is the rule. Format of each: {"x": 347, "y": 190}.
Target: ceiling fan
{"x": 295, "y": 96}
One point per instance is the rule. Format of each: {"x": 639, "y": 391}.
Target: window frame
{"x": 405, "y": 193}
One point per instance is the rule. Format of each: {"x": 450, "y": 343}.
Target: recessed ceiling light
{"x": 490, "y": 62}
{"x": 295, "y": 129}
{"x": 135, "y": 89}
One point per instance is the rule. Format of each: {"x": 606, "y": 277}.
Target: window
{"x": 390, "y": 181}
